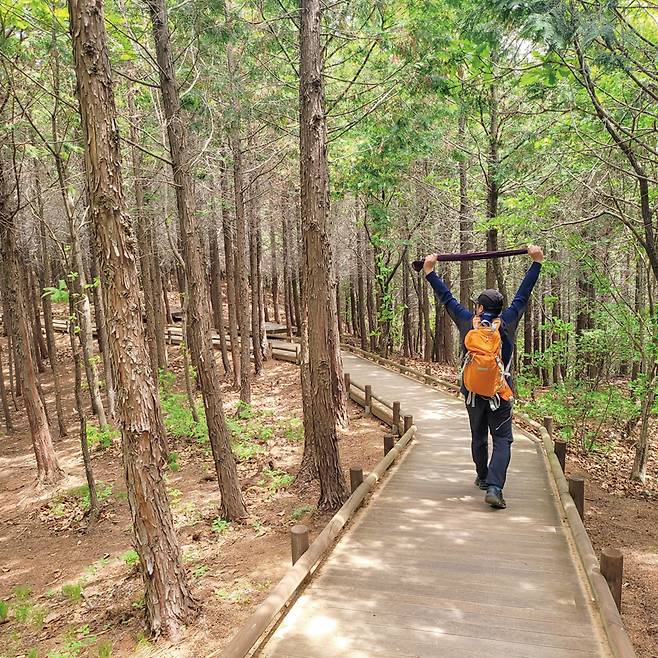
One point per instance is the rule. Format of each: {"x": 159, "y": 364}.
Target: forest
{"x": 185, "y": 186}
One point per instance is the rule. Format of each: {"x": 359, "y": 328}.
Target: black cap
{"x": 491, "y": 300}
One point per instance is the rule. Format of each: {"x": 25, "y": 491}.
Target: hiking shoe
{"x": 495, "y": 498}
{"x": 481, "y": 484}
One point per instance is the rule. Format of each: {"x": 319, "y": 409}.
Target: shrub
{"x": 72, "y": 591}
{"x": 102, "y": 436}
{"x": 275, "y": 480}
{"x": 130, "y": 557}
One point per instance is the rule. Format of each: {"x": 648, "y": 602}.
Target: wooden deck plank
{"x": 427, "y": 569}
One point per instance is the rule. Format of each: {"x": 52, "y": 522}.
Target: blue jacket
{"x": 510, "y": 317}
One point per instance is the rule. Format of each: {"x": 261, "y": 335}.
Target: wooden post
{"x": 348, "y": 384}
{"x": 577, "y": 492}
{"x": 408, "y": 422}
{"x": 612, "y": 569}
{"x": 298, "y": 541}
{"x": 356, "y": 478}
{"x": 548, "y": 424}
{"x": 560, "y": 448}
{"x": 368, "y": 403}
{"x": 389, "y": 442}
{"x": 396, "y": 417}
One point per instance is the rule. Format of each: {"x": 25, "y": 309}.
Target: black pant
{"x": 499, "y": 422}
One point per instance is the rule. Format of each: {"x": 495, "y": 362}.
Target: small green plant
{"x": 130, "y": 557}
{"x": 22, "y": 611}
{"x": 174, "y": 495}
{"x": 38, "y": 615}
{"x": 32, "y": 653}
{"x": 166, "y": 381}
{"x": 172, "y": 461}
{"x": 246, "y": 450}
{"x": 139, "y": 603}
{"x": 58, "y": 294}
{"x": 220, "y": 526}
{"x": 21, "y": 592}
{"x": 301, "y": 511}
{"x": 293, "y": 429}
{"x": 179, "y": 421}
{"x": 200, "y": 570}
{"x": 244, "y": 410}
{"x": 103, "y": 491}
{"x": 102, "y": 437}
{"x": 50, "y": 593}
{"x": 72, "y": 591}
{"x": 105, "y": 649}
{"x": 275, "y": 479}
{"x": 143, "y": 642}
{"x": 4, "y": 611}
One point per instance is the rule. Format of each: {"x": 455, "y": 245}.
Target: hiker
{"x": 487, "y": 340}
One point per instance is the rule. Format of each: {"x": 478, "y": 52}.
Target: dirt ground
{"x": 624, "y": 515}
{"x": 74, "y": 590}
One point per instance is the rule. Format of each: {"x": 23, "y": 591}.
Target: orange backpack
{"x": 483, "y": 372}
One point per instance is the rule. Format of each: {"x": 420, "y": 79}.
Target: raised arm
{"x": 456, "y": 311}
{"x": 512, "y": 314}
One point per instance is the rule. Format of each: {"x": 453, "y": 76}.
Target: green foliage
{"x": 130, "y": 557}
{"x": 102, "y": 436}
{"x": 275, "y": 479}
{"x": 21, "y": 592}
{"x": 200, "y": 570}
{"x": 172, "y": 461}
{"x": 301, "y": 511}
{"x": 58, "y": 294}
{"x": 105, "y": 649}
{"x": 73, "y": 591}
{"x": 293, "y": 429}
{"x": 76, "y": 642}
{"x": 220, "y": 525}
{"x": 4, "y": 610}
{"x": 22, "y": 611}
{"x": 581, "y": 413}
{"x": 103, "y": 491}
{"x": 179, "y": 421}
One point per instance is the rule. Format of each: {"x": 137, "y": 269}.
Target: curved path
{"x": 427, "y": 569}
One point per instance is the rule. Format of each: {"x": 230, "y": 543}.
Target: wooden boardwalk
{"x": 428, "y": 569}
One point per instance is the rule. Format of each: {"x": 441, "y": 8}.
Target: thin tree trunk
{"x": 465, "y": 222}
{"x": 287, "y": 290}
{"x": 9, "y": 426}
{"x": 274, "y": 272}
{"x": 201, "y": 347}
{"x": 216, "y": 296}
{"x": 46, "y": 303}
{"x": 241, "y": 232}
{"x": 252, "y": 216}
{"x": 169, "y": 602}
{"x": 80, "y": 411}
{"x": 361, "y": 294}
{"x": 639, "y": 471}
{"x": 322, "y": 322}
{"x": 229, "y": 259}
{"x": 48, "y": 469}
{"x": 40, "y": 350}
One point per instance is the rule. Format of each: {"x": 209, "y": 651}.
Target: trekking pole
{"x": 477, "y": 255}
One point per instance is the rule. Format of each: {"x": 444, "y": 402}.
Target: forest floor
{"x": 619, "y": 514}
{"x": 74, "y": 590}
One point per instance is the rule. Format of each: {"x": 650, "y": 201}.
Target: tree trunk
{"x": 101, "y": 332}
{"x": 48, "y": 469}
{"x": 169, "y": 602}
{"x": 252, "y": 217}
{"x": 199, "y": 326}
{"x": 274, "y": 272}
{"x": 145, "y": 260}
{"x": 216, "y": 296}
{"x": 241, "y": 230}
{"x": 322, "y": 324}
{"x": 231, "y": 277}
{"x": 639, "y": 471}
{"x": 465, "y": 223}
{"x": 9, "y": 426}
{"x": 79, "y": 286}
{"x": 287, "y": 289}
{"x": 47, "y": 279}
{"x": 361, "y": 292}
{"x": 38, "y": 344}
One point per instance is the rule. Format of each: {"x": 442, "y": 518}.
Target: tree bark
{"x": 241, "y": 230}
{"x": 198, "y": 318}
{"x": 252, "y": 216}
{"x": 48, "y": 469}
{"x": 322, "y": 323}
{"x": 274, "y": 272}
{"x": 169, "y": 602}
{"x": 231, "y": 277}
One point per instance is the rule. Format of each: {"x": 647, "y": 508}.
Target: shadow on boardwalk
{"x": 429, "y": 570}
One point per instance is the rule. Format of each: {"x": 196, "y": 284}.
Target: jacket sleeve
{"x": 459, "y": 314}
{"x": 512, "y": 314}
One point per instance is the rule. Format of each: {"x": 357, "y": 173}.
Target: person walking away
{"x": 488, "y": 337}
